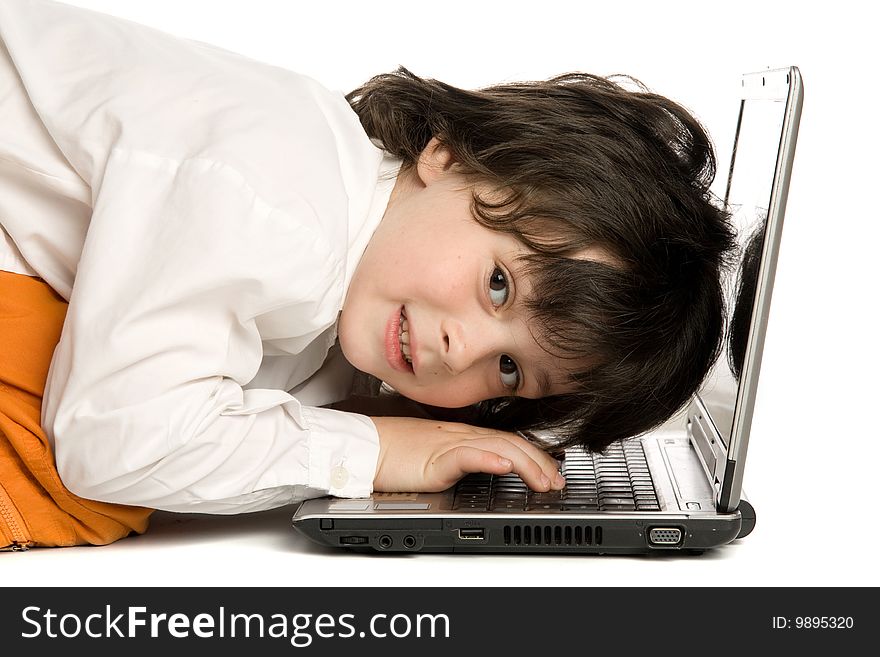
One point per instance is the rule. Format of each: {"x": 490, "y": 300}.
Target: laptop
{"x": 677, "y": 489}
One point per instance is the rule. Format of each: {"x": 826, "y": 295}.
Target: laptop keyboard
{"x": 618, "y": 481}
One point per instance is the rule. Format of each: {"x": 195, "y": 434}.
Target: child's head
{"x": 554, "y": 248}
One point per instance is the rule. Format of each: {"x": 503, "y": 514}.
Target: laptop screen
{"x": 747, "y": 197}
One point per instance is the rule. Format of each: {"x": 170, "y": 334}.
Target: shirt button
{"x": 338, "y": 477}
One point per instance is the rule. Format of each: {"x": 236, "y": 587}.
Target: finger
{"x": 532, "y": 446}
{"x": 546, "y": 464}
{"x": 531, "y": 471}
{"x": 452, "y": 465}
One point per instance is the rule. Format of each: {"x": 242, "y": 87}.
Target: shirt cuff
{"x": 343, "y": 451}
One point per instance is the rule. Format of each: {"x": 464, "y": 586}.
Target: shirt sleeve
{"x": 145, "y": 400}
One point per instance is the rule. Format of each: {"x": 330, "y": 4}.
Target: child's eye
{"x": 509, "y": 372}
{"x": 498, "y": 290}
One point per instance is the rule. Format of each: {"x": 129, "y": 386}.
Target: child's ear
{"x": 435, "y": 160}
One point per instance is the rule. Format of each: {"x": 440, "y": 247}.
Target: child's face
{"x": 458, "y": 285}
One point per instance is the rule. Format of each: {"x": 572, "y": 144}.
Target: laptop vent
{"x": 552, "y": 535}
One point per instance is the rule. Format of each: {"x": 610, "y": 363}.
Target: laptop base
{"x": 614, "y": 534}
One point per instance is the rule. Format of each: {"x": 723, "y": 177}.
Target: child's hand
{"x": 426, "y": 455}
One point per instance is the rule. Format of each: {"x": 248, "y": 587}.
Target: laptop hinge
{"x": 710, "y": 448}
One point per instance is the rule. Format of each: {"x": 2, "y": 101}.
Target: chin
{"x": 353, "y": 355}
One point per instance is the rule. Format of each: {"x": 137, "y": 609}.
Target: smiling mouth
{"x": 403, "y": 338}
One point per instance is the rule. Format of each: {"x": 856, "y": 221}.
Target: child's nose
{"x": 463, "y": 346}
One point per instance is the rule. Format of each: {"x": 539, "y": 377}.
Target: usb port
{"x": 472, "y": 534}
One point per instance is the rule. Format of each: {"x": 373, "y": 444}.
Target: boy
{"x": 236, "y": 244}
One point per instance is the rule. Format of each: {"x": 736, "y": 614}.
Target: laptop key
{"x": 618, "y": 507}
{"x": 507, "y": 505}
{"x": 542, "y": 506}
{"x": 513, "y": 499}
{"x": 470, "y": 506}
{"x": 619, "y": 499}
{"x": 479, "y": 499}
{"x": 545, "y": 498}
{"x": 581, "y": 499}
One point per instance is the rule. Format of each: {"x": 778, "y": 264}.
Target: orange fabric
{"x": 35, "y": 507}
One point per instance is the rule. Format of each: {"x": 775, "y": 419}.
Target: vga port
{"x": 664, "y": 536}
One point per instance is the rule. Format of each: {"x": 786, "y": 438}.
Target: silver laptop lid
{"x": 720, "y": 417}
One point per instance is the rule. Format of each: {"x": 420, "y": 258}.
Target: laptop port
{"x": 664, "y": 536}
{"x": 472, "y": 534}
{"x": 353, "y": 540}
{"x": 385, "y": 541}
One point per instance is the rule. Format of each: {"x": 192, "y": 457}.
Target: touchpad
{"x": 689, "y": 477}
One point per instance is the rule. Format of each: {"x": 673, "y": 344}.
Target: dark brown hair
{"x": 579, "y": 162}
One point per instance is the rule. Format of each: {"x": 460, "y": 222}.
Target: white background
{"x": 814, "y": 444}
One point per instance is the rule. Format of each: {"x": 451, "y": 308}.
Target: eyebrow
{"x": 543, "y": 380}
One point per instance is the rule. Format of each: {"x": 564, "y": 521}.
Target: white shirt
{"x": 203, "y": 213}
